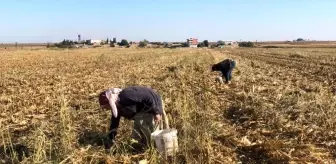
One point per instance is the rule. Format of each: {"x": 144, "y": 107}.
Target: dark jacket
{"x": 226, "y": 66}
{"x": 134, "y": 100}
{"x": 223, "y": 66}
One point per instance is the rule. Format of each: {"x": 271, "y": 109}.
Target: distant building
{"x": 227, "y": 42}
{"x": 192, "y": 42}
{"x": 93, "y": 42}
{"x": 175, "y": 45}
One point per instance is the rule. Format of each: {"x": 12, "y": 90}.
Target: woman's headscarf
{"x": 111, "y": 96}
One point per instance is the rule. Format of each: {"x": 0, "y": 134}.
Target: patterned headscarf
{"x": 110, "y": 96}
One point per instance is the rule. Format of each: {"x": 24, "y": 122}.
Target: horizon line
{"x": 178, "y": 41}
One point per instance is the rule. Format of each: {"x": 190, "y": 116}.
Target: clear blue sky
{"x": 172, "y": 20}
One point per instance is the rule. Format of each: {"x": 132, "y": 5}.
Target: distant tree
{"x": 65, "y": 44}
{"x": 114, "y": 40}
{"x": 245, "y": 44}
{"x": 221, "y": 43}
{"x": 185, "y": 44}
{"x": 201, "y": 45}
{"x": 143, "y": 43}
{"x": 206, "y": 43}
{"x": 165, "y": 44}
{"x": 123, "y": 42}
{"x": 107, "y": 41}
{"x": 299, "y": 40}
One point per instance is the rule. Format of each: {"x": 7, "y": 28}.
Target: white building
{"x": 227, "y": 42}
{"x": 192, "y": 42}
{"x": 91, "y": 41}
{"x": 193, "y": 46}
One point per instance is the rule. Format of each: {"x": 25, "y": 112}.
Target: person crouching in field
{"x": 141, "y": 104}
{"x": 225, "y": 67}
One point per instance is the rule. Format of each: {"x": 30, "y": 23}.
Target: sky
{"x": 173, "y": 20}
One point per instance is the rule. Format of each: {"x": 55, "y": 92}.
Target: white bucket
{"x": 219, "y": 79}
{"x": 166, "y": 141}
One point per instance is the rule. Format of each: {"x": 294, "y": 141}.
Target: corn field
{"x": 279, "y": 108}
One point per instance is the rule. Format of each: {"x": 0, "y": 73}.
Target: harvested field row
{"x": 281, "y": 106}
{"x": 269, "y": 114}
{"x": 312, "y": 68}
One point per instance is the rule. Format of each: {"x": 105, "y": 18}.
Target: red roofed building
{"x": 192, "y": 42}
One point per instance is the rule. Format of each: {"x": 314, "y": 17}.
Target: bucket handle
{"x": 165, "y": 118}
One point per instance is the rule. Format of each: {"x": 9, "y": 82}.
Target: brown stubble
{"x": 278, "y": 109}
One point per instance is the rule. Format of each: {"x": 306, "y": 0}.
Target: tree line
{"x": 144, "y": 43}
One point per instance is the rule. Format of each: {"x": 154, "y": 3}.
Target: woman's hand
{"x": 157, "y": 118}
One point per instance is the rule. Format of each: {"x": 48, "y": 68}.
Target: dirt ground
{"x": 280, "y": 107}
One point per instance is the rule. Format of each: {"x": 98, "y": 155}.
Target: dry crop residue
{"x": 280, "y": 107}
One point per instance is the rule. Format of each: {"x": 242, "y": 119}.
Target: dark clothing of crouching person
{"x": 141, "y": 104}
{"x": 225, "y": 67}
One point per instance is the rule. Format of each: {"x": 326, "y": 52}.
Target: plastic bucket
{"x": 166, "y": 141}
{"x": 219, "y": 79}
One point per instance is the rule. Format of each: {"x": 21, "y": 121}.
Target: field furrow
{"x": 278, "y": 109}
